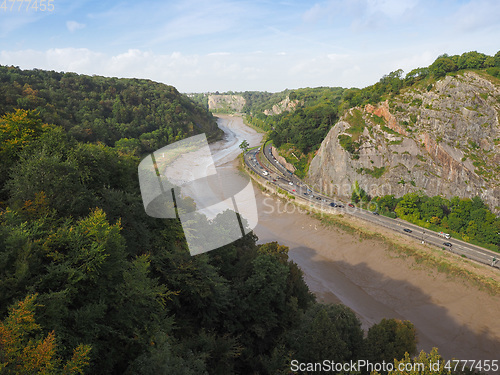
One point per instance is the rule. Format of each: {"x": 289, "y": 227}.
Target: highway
{"x": 268, "y": 168}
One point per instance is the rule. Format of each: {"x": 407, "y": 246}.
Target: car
{"x": 447, "y": 244}
{"x": 350, "y": 205}
{"x": 290, "y": 183}
{"x": 407, "y": 230}
{"x": 333, "y": 204}
{"x": 375, "y": 213}
{"x": 340, "y": 206}
{"x": 305, "y": 193}
{"x": 274, "y": 179}
{"x": 318, "y": 198}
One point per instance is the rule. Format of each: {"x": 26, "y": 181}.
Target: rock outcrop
{"x": 283, "y": 106}
{"x": 282, "y": 160}
{"x": 443, "y": 140}
{"x": 226, "y": 103}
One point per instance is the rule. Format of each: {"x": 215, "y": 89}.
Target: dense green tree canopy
{"x": 468, "y": 219}
{"x": 94, "y": 108}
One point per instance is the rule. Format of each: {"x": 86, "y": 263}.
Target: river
{"x": 340, "y": 267}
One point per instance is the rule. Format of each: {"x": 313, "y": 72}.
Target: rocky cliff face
{"x": 226, "y": 103}
{"x": 443, "y": 141}
{"x": 285, "y": 105}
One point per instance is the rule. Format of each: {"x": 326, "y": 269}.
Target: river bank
{"x": 377, "y": 282}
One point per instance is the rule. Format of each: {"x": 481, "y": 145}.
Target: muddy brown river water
{"x": 462, "y": 321}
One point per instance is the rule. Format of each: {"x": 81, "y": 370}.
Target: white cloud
{"x": 391, "y": 8}
{"x": 360, "y": 14}
{"x": 337, "y": 56}
{"x": 475, "y": 15}
{"x": 314, "y": 13}
{"x": 73, "y": 26}
{"x": 219, "y": 54}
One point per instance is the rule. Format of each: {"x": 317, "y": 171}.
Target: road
{"x": 270, "y": 169}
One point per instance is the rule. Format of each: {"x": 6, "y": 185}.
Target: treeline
{"x": 308, "y": 124}
{"x": 258, "y": 101}
{"x": 137, "y": 115}
{"x": 392, "y": 83}
{"x": 463, "y": 218}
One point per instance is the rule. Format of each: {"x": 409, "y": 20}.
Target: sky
{"x": 239, "y": 45}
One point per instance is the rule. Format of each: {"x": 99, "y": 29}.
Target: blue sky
{"x": 238, "y": 45}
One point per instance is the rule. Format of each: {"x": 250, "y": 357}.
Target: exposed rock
{"x": 226, "y": 103}
{"x": 383, "y": 111}
{"x": 285, "y": 105}
{"x": 282, "y": 160}
{"x": 445, "y": 141}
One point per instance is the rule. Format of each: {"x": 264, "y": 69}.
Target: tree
{"x": 244, "y": 145}
{"x": 327, "y": 331}
{"x": 129, "y": 146}
{"x": 471, "y": 60}
{"x": 390, "y": 339}
{"x": 408, "y": 206}
{"x": 275, "y": 249}
{"x": 432, "y": 207}
{"x": 387, "y": 203}
{"x": 17, "y": 130}
{"x": 428, "y": 364}
{"x": 359, "y": 194}
{"x": 416, "y": 75}
{"x": 442, "y": 65}
{"x": 22, "y": 353}
{"x": 497, "y": 59}
{"x": 58, "y": 178}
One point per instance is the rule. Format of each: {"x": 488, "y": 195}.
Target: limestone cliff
{"x": 226, "y": 103}
{"x": 285, "y": 105}
{"x": 443, "y": 140}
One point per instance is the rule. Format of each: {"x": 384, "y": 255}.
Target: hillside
{"x": 442, "y": 140}
{"x": 107, "y": 110}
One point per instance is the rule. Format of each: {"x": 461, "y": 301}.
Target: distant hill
{"x": 107, "y": 110}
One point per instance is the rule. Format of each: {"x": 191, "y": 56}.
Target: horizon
{"x": 236, "y": 45}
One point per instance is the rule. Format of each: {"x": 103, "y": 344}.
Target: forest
{"x": 132, "y": 114}
{"x": 89, "y": 284}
